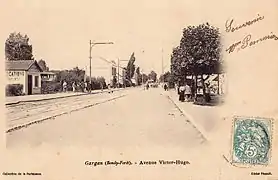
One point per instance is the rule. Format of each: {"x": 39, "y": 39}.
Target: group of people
{"x": 185, "y": 92}
{"x": 83, "y": 85}
{"x": 147, "y": 86}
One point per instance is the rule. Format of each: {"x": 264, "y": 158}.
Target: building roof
{"x": 23, "y": 65}
{"x": 48, "y": 72}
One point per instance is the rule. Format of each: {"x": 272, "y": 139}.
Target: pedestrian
{"x": 178, "y": 88}
{"x": 207, "y": 93}
{"x": 187, "y": 92}
{"x": 73, "y": 86}
{"x": 85, "y": 86}
{"x": 65, "y": 86}
{"x": 165, "y": 87}
{"x": 109, "y": 87}
{"x": 181, "y": 93}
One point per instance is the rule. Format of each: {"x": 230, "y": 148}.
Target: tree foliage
{"x": 165, "y": 77}
{"x": 130, "y": 67}
{"x": 17, "y": 47}
{"x": 152, "y": 76}
{"x": 138, "y": 70}
{"x": 114, "y": 81}
{"x": 138, "y": 80}
{"x": 199, "y": 52}
{"x": 70, "y": 76}
{"x": 43, "y": 65}
{"x": 98, "y": 83}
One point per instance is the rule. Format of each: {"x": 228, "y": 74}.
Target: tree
{"x": 43, "y": 65}
{"x": 165, "y": 77}
{"x": 198, "y": 54}
{"x": 70, "y": 76}
{"x": 138, "y": 70}
{"x": 153, "y": 76}
{"x": 138, "y": 76}
{"x": 17, "y": 47}
{"x": 98, "y": 83}
{"x": 114, "y": 81}
{"x": 130, "y": 67}
{"x": 145, "y": 78}
{"x": 102, "y": 82}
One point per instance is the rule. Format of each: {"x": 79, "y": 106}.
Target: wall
{"x": 16, "y": 77}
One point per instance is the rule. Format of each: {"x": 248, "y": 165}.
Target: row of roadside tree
{"x": 18, "y": 47}
{"x": 198, "y": 56}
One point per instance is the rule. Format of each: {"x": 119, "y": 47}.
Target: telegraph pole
{"x": 118, "y": 73}
{"x": 92, "y": 44}
{"x": 90, "y": 61}
{"x": 162, "y": 65}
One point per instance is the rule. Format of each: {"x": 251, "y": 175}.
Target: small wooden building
{"x": 25, "y": 72}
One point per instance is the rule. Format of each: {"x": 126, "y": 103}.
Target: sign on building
{"x": 15, "y": 77}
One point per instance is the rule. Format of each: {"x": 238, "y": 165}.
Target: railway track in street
{"x": 24, "y": 114}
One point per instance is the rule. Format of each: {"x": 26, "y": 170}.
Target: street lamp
{"x": 92, "y": 44}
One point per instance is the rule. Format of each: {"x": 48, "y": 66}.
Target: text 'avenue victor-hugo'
{"x": 139, "y": 163}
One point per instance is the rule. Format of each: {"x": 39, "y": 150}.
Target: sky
{"x": 60, "y": 30}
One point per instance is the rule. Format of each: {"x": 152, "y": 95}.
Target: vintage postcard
{"x": 139, "y": 89}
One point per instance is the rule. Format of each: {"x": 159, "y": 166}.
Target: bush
{"x": 51, "y": 87}
{"x": 14, "y": 90}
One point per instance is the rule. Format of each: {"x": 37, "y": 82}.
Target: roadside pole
{"x": 118, "y": 73}
{"x": 92, "y": 44}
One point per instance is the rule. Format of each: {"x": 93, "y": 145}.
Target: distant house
{"x": 25, "y": 72}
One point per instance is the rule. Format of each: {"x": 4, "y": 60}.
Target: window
{"x": 36, "y": 81}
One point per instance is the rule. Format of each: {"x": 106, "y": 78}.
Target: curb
{"x": 57, "y": 115}
{"x": 190, "y": 118}
{"x": 61, "y": 97}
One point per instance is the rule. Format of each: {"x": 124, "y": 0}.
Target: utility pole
{"x": 118, "y": 73}
{"x": 92, "y": 44}
{"x": 162, "y": 65}
{"x": 90, "y": 61}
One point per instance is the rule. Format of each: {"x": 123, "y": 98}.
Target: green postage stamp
{"x": 252, "y": 140}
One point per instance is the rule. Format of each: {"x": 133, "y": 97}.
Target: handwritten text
{"x": 248, "y": 42}
{"x": 230, "y": 28}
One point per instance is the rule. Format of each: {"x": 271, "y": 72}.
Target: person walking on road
{"x": 165, "y": 87}
{"x": 181, "y": 93}
{"x": 65, "y": 86}
{"x": 109, "y": 88}
{"x": 73, "y": 87}
{"x": 85, "y": 87}
{"x": 207, "y": 92}
{"x": 187, "y": 92}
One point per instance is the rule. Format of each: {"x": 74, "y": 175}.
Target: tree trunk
{"x": 218, "y": 84}
{"x": 196, "y": 87}
{"x": 204, "y": 87}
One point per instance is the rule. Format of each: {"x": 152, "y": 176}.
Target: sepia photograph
{"x": 137, "y": 96}
{"x": 143, "y": 89}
